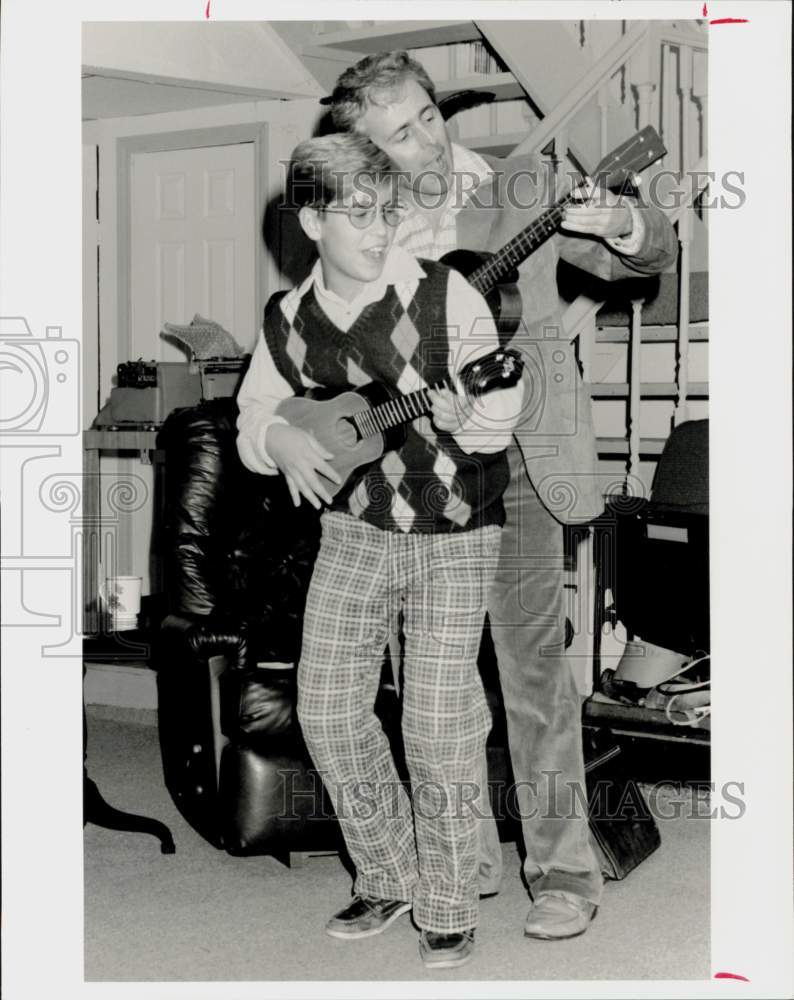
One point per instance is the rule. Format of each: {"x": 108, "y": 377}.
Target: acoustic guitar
{"x": 494, "y": 274}
{"x": 358, "y": 426}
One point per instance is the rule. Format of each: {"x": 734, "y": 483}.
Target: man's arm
{"x": 621, "y": 237}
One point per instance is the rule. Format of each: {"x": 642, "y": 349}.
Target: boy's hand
{"x": 450, "y": 412}
{"x": 598, "y": 212}
{"x": 300, "y": 457}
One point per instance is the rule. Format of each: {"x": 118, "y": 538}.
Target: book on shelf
{"x": 457, "y": 60}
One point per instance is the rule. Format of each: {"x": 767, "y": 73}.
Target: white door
{"x": 193, "y": 231}
{"x": 193, "y": 245}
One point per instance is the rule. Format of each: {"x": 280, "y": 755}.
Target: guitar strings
{"x": 499, "y": 264}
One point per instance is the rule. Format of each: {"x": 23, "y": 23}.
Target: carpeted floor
{"x": 201, "y": 915}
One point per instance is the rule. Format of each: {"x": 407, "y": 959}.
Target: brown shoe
{"x": 557, "y": 915}
{"x": 444, "y": 951}
{"x": 365, "y": 916}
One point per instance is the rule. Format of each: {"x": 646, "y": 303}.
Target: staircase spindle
{"x": 603, "y": 107}
{"x": 681, "y": 412}
{"x": 587, "y": 339}
{"x": 634, "y": 389}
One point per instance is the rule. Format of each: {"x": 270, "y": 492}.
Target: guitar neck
{"x": 396, "y": 411}
{"x": 489, "y": 274}
{"x": 613, "y": 171}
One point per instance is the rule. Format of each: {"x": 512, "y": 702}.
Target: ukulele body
{"x": 504, "y": 300}
{"x": 328, "y": 421}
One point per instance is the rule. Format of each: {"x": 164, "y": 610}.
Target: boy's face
{"x": 352, "y": 257}
{"x": 413, "y": 133}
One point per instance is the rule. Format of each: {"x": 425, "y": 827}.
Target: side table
{"x": 130, "y": 438}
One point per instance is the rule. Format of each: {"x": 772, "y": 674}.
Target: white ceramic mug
{"x": 121, "y": 596}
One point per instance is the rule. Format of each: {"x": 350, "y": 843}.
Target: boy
{"x": 417, "y": 531}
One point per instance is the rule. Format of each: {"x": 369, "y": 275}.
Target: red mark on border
{"x": 730, "y": 975}
{"x": 207, "y": 10}
{"x": 705, "y": 11}
{"x": 729, "y": 20}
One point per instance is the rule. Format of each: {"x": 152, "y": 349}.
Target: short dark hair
{"x": 381, "y": 73}
{"x": 326, "y": 168}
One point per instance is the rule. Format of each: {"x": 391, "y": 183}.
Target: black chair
{"x": 652, "y": 555}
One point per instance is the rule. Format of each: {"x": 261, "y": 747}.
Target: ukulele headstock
{"x": 629, "y": 158}
{"x": 498, "y": 370}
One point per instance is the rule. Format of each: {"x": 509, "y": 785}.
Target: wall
{"x": 220, "y": 55}
{"x": 104, "y": 345}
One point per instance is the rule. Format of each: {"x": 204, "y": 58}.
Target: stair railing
{"x": 646, "y": 49}
{"x": 593, "y": 80}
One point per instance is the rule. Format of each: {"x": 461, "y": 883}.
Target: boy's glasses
{"x": 362, "y": 216}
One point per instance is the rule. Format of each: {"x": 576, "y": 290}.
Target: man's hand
{"x": 450, "y": 412}
{"x": 300, "y": 457}
{"x": 599, "y": 213}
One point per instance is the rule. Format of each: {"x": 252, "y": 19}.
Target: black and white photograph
{"x": 396, "y": 417}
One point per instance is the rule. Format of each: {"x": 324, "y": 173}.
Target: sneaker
{"x": 365, "y": 916}
{"x": 556, "y": 916}
{"x": 445, "y": 951}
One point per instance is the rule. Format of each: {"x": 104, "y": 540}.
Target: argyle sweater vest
{"x": 429, "y": 484}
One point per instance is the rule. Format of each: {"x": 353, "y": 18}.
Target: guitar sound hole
{"x": 347, "y": 433}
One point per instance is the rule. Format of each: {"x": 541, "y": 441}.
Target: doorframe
{"x": 265, "y": 269}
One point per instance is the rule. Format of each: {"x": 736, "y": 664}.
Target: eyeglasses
{"x": 362, "y": 216}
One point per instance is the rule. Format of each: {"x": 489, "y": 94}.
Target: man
{"x": 463, "y": 200}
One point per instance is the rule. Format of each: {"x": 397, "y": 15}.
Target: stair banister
{"x": 579, "y": 95}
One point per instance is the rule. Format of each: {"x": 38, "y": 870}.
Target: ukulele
{"x": 494, "y": 274}
{"x": 359, "y": 425}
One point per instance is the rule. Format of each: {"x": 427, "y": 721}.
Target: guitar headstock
{"x": 498, "y": 370}
{"x": 631, "y": 156}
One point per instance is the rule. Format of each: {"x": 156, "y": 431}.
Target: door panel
{"x": 193, "y": 231}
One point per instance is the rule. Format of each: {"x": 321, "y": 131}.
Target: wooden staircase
{"x": 571, "y": 90}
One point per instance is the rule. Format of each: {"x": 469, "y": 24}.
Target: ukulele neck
{"x": 399, "y": 410}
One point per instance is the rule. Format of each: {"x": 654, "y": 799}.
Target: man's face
{"x": 410, "y": 129}
{"x": 352, "y": 257}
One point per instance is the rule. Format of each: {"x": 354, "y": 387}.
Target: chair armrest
{"x": 207, "y": 636}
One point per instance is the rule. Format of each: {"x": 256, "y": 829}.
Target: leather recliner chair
{"x": 237, "y": 558}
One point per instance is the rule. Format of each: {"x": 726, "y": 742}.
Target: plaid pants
{"x": 423, "y": 849}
